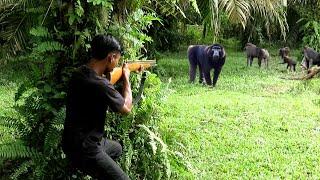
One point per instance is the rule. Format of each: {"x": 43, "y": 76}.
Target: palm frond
{"x": 303, "y": 2}
{"x": 238, "y": 11}
{"x": 15, "y": 22}
{"x": 11, "y": 23}
{"x": 210, "y": 14}
{"x": 194, "y": 5}
{"x": 271, "y": 11}
{"x": 243, "y": 11}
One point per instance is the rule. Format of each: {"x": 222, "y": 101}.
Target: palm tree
{"x": 244, "y": 11}
{"x": 15, "y": 23}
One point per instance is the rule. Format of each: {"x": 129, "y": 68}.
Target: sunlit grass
{"x": 252, "y": 125}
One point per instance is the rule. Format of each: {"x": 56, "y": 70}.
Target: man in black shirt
{"x": 89, "y": 97}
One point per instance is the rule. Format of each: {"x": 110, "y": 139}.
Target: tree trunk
{"x": 204, "y": 32}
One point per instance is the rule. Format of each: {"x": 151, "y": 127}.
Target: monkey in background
{"x": 311, "y": 57}
{"x": 290, "y": 63}
{"x": 253, "y": 51}
{"x": 284, "y": 52}
{"x": 286, "y": 59}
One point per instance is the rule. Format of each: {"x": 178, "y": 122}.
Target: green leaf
{"x": 47, "y": 88}
{"x": 40, "y": 31}
{"x": 49, "y": 46}
{"x": 79, "y": 9}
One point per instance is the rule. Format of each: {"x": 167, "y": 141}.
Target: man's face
{"x": 112, "y": 61}
{"x": 116, "y": 57}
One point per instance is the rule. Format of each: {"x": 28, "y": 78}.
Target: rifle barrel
{"x": 152, "y": 62}
{"x": 116, "y": 74}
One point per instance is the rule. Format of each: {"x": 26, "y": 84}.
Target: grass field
{"x": 252, "y": 125}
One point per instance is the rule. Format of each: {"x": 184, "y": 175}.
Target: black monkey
{"x": 253, "y": 51}
{"x": 284, "y": 52}
{"x": 290, "y": 63}
{"x": 207, "y": 58}
{"x": 311, "y": 57}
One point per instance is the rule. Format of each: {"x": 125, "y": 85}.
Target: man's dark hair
{"x": 102, "y": 44}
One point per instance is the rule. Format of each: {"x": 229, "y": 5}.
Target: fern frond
{"x": 22, "y": 169}
{"x": 16, "y": 150}
{"x": 40, "y": 31}
{"x": 159, "y": 163}
{"x": 59, "y": 117}
{"x": 53, "y": 136}
{"x": 52, "y": 140}
{"x": 130, "y": 153}
{"x": 40, "y": 170}
{"x": 22, "y": 89}
{"x": 37, "y": 10}
{"x": 11, "y": 123}
{"x": 49, "y": 46}
{"x": 16, "y": 19}
{"x": 154, "y": 139}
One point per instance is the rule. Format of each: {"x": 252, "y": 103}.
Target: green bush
{"x": 311, "y": 32}
{"x": 55, "y": 49}
{"x": 145, "y": 155}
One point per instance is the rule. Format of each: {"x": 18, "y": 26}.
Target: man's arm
{"x": 126, "y": 91}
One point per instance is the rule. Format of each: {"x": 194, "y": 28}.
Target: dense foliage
{"x": 55, "y": 41}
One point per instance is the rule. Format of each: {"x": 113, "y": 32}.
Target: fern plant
{"x": 59, "y": 41}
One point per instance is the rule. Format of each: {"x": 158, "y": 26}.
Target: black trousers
{"x": 98, "y": 161}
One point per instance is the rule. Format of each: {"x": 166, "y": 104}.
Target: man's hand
{"x": 125, "y": 72}
{"x": 141, "y": 69}
{"x": 126, "y": 91}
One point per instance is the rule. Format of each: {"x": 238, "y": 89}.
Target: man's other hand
{"x": 125, "y": 72}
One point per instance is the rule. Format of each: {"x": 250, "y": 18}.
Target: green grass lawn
{"x": 253, "y": 125}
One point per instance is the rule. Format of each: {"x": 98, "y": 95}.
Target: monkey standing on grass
{"x": 284, "y": 55}
{"x": 284, "y": 52}
{"x": 207, "y": 58}
{"x": 290, "y": 63}
{"x": 311, "y": 57}
{"x": 253, "y": 51}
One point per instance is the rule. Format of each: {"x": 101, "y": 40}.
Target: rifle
{"x": 116, "y": 74}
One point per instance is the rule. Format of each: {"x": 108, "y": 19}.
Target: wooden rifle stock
{"x": 116, "y": 74}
